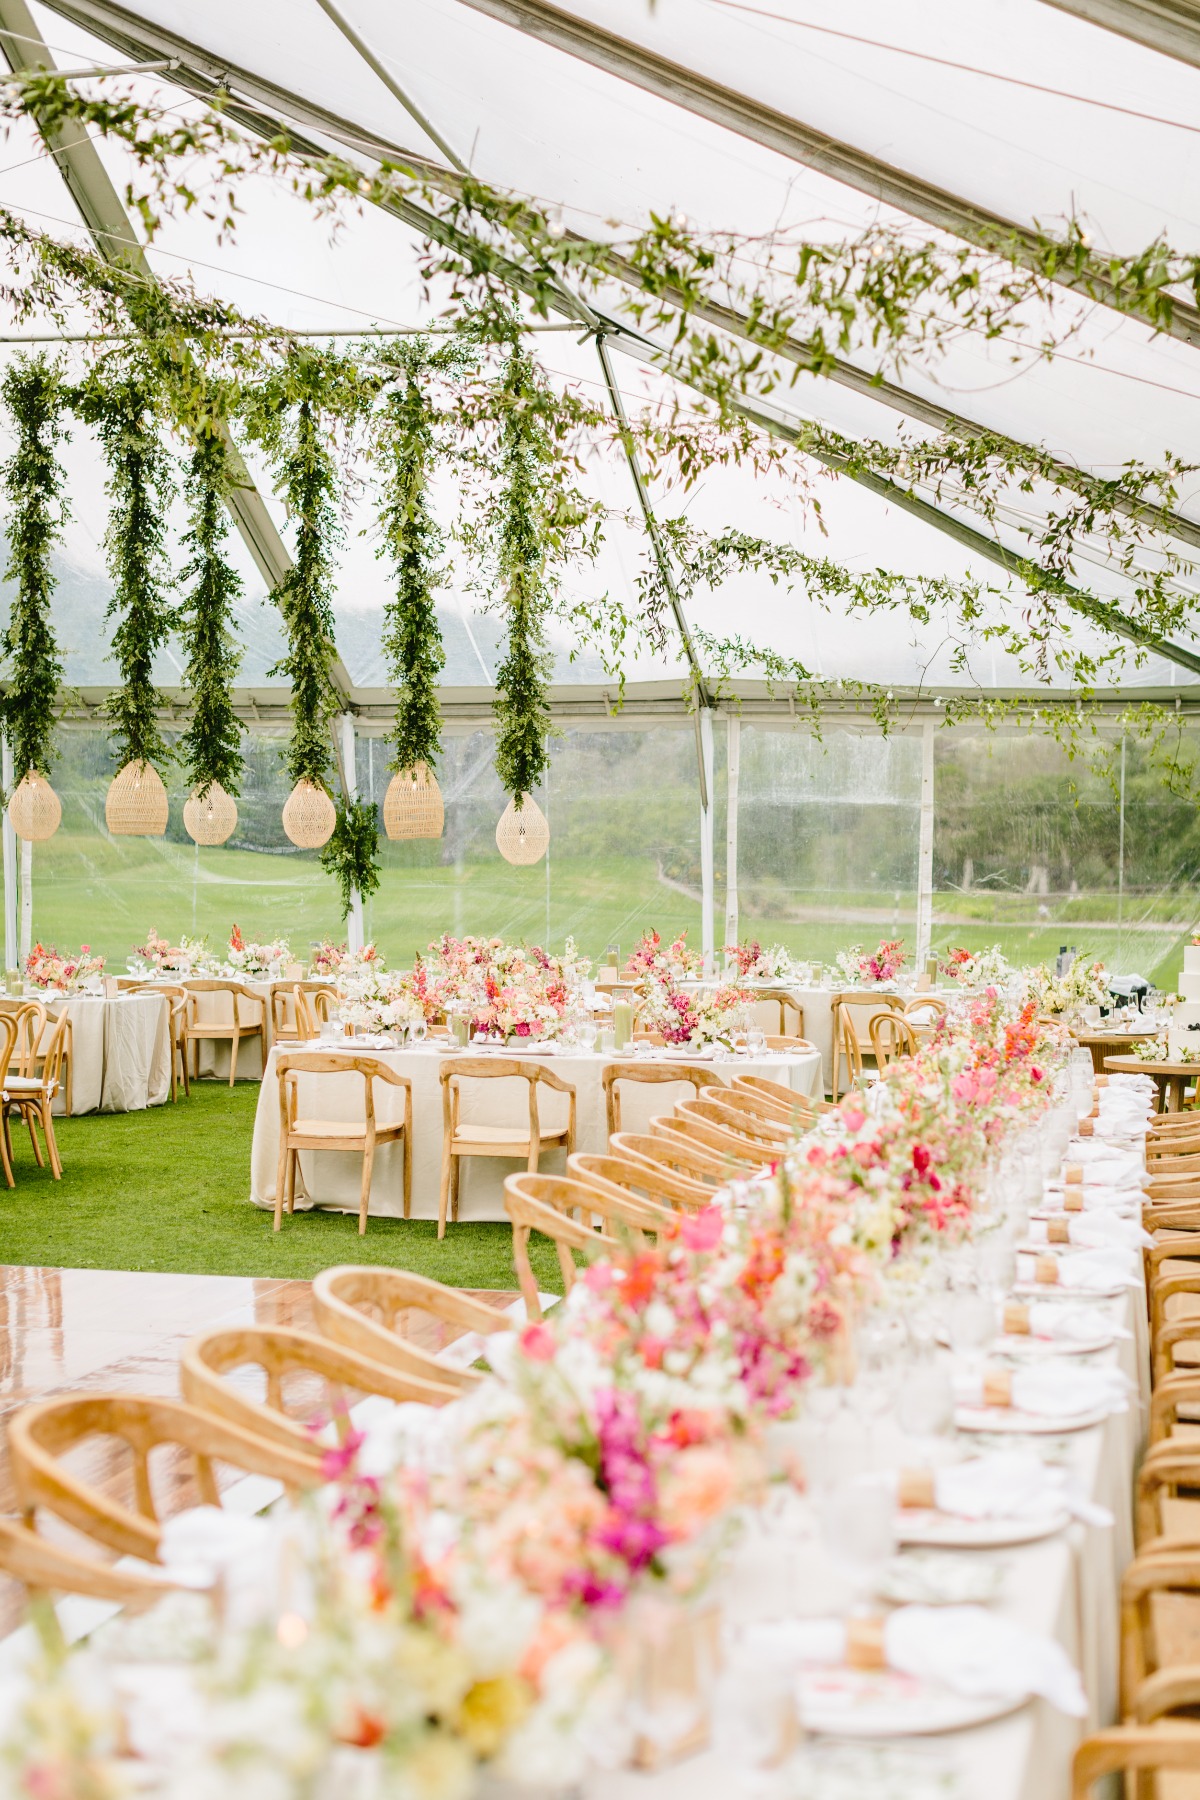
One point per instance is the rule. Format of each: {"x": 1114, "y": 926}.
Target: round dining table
{"x": 331, "y": 1178}
{"x": 1170, "y": 1078}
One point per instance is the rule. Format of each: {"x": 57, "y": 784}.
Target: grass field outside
{"x": 168, "y": 1189}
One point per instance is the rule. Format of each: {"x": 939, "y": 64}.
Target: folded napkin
{"x": 1049, "y": 1390}
{"x": 1101, "y": 1161}
{"x": 1096, "y": 1196}
{"x": 1092, "y": 1232}
{"x": 967, "y": 1649}
{"x": 1087, "y": 1271}
{"x": 1008, "y": 1484}
{"x": 1059, "y": 1324}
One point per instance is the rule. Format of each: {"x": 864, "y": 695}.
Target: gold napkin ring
{"x": 864, "y": 1644}
{"x": 1073, "y": 1174}
{"x": 1087, "y": 1127}
{"x": 915, "y": 1487}
{"x": 1045, "y": 1271}
{"x": 1073, "y": 1200}
{"x": 997, "y": 1387}
{"x": 1058, "y": 1231}
{"x": 1016, "y": 1319}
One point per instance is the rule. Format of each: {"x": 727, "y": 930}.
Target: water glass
{"x": 858, "y": 1529}
{"x": 756, "y": 1040}
{"x": 586, "y": 1033}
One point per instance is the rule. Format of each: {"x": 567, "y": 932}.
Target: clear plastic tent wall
{"x": 780, "y": 124}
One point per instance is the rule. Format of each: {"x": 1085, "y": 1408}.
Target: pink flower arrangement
{"x": 45, "y": 968}
{"x": 329, "y": 957}
{"x": 885, "y": 962}
{"x": 648, "y": 961}
{"x": 702, "y": 1016}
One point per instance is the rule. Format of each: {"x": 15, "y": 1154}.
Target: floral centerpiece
{"x": 329, "y": 958}
{"x": 516, "y": 992}
{"x": 160, "y": 954}
{"x": 697, "y": 1016}
{"x": 45, "y": 968}
{"x": 753, "y": 963}
{"x": 257, "y": 959}
{"x": 976, "y": 968}
{"x": 648, "y": 961}
{"x": 387, "y": 1004}
{"x": 882, "y": 964}
{"x": 1085, "y": 983}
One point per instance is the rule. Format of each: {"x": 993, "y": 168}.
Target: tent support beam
{"x": 733, "y": 771}
{"x": 202, "y": 75}
{"x": 925, "y": 849}
{"x": 791, "y": 138}
{"x": 380, "y": 69}
{"x": 708, "y": 905}
{"x": 1169, "y": 26}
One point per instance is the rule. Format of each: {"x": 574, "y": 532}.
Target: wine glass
{"x": 418, "y": 1031}
{"x": 756, "y": 1040}
{"x": 586, "y": 1033}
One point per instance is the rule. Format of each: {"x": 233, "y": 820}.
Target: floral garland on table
{"x": 753, "y": 963}
{"x": 976, "y": 968}
{"x": 648, "y": 961}
{"x": 45, "y": 968}
{"x": 1084, "y": 984}
{"x": 257, "y": 959}
{"x": 696, "y": 1017}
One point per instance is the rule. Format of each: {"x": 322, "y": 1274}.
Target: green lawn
{"x": 168, "y": 1189}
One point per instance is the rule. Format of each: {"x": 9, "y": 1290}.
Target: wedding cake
{"x": 1184, "y": 1033}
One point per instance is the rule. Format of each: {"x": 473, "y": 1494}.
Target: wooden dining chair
{"x": 784, "y": 1096}
{"x": 749, "y": 1114}
{"x": 350, "y": 1136}
{"x": 892, "y": 1037}
{"x": 565, "y": 1211}
{"x": 36, "y": 1029}
{"x": 197, "y": 1030}
{"x": 788, "y": 1017}
{"x": 42, "y": 1435}
{"x": 327, "y": 1374}
{"x": 762, "y": 1134}
{"x": 176, "y": 1003}
{"x": 850, "y": 1013}
{"x": 1169, "y": 1747}
{"x": 30, "y": 1017}
{"x": 32, "y": 1096}
{"x": 1167, "y": 1498}
{"x": 311, "y": 1002}
{"x": 9, "y": 1028}
{"x": 526, "y": 1141}
{"x": 1160, "y": 1621}
{"x": 790, "y": 1046}
{"x": 738, "y": 1155}
{"x": 43, "y": 1567}
{"x": 672, "y": 1151}
{"x": 382, "y": 1314}
{"x": 666, "y": 1187}
{"x": 648, "y": 1073}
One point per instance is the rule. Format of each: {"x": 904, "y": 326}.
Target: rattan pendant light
{"x": 212, "y": 819}
{"x": 412, "y": 806}
{"x": 136, "y": 803}
{"x": 522, "y": 836}
{"x": 309, "y": 816}
{"x": 35, "y": 810}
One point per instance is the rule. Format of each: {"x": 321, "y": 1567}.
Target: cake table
{"x": 1169, "y": 1077}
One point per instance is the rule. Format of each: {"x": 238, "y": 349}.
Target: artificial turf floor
{"x": 169, "y": 1189}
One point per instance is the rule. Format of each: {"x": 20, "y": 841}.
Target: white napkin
{"x": 1069, "y": 1324}
{"x": 206, "y": 1546}
{"x": 1051, "y": 1390}
{"x": 1102, "y": 1195}
{"x": 966, "y": 1648}
{"x": 1097, "y": 1271}
{"x": 1010, "y": 1484}
{"x": 1095, "y": 1232}
{"x": 1106, "y": 1162}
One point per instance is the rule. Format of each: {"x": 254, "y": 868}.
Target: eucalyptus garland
{"x": 122, "y": 411}
{"x": 211, "y": 747}
{"x": 352, "y": 854}
{"x": 33, "y": 482}
{"x": 412, "y": 538}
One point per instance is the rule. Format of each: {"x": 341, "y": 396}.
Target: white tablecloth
{"x": 120, "y": 1052}
{"x": 332, "y": 1178}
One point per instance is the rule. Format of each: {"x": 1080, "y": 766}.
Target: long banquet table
{"x": 332, "y": 1178}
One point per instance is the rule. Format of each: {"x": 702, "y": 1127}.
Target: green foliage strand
{"x": 33, "y": 482}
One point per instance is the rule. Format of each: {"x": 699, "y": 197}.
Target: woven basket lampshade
{"x": 136, "y": 803}
{"x": 213, "y": 819}
{"x": 35, "y": 810}
{"x": 522, "y": 836}
{"x": 412, "y": 806}
{"x": 309, "y": 816}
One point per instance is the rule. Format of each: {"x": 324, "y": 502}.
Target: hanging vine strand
{"x": 34, "y": 480}
{"x": 120, "y": 406}
{"x": 210, "y": 749}
{"x": 352, "y": 854}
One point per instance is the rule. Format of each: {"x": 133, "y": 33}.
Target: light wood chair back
{"x": 47, "y": 1568}
{"x": 789, "y": 1019}
{"x": 1146, "y": 1583}
{"x": 564, "y": 1211}
{"x": 30, "y": 1017}
{"x": 674, "y": 1152}
{"x": 695, "y": 1074}
{"x": 784, "y": 1096}
{"x": 850, "y": 1013}
{"x": 9, "y": 1029}
{"x": 798, "y": 1117}
{"x": 892, "y": 1037}
{"x": 923, "y": 1011}
{"x": 42, "y": 1434}
{"x": 333, "y": 1372}
{"x": 1141, "y": 1752}
{"x": 760, "y": 1134}
{"x": 739, "y": 1155}
{"x": 308, "y": 998}
{"x": 32, "y": 1096}
{"x": 662, "y": 1185}
{"x": 746, "y": 1112}
{"x": 790, "y": 1046}
{"x": 196, "y": 1030}
{"x": 523, "y": 1142}
{"x": 297, "y": 1134}
{"x": 371, "y": 1311}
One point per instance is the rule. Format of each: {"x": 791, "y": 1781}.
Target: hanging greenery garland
{"x": 33, "y": 481}
{"x": 211, "y": 747}
{"x": 352, "y": 854}
{"x": 121, "y": 409}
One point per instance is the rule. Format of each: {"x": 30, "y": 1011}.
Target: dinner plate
{"x": 1011, "y": 1418}
{"x": 1037, "y": 1290}
{"x": 1021, "y": 1346}
{"x": 952, "y": 1531}
{"x": 879, "y": 1703}
{"x": 926, "y": 1577}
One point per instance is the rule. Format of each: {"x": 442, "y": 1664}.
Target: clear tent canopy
{"x": 775, "y": 126}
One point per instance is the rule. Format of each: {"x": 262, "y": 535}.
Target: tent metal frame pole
{"x": 10, "y": 862}
{"x": 348, "y": 768}
{"x": 733, "y": 772}
{"x": 204, "y": 76}
{"x": 398, "y": 92}
{"x": 201, "y": 74}
{"x": 707, "y": 869}
{"x": 790, "y": 137}
{"x": 925, "y": 847}
{"x": 1171, "y": 27}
